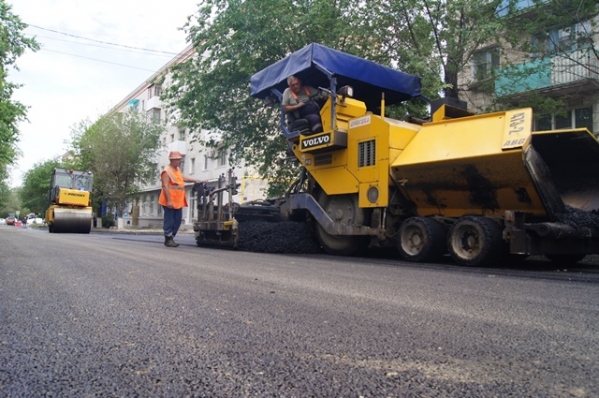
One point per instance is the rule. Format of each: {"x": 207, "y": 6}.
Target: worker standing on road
{"x": 172, "y": 198}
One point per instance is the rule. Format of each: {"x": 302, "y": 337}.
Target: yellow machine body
{"x": 70, "y": 202}
{"x": 359, "y": 161}
{"x": 473, "y": 165}
{"x": 475, "y": 187}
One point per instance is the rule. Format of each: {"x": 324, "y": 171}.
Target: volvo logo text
{"x": 316, "y": 141}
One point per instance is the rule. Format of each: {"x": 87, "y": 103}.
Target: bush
{"x": 107, "y": 221}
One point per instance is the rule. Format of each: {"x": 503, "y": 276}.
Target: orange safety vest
{"x": 176, "y": 188}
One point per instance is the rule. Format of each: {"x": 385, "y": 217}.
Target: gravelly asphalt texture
{"x": 281, "y": 237}
{"x": 110, "y": 316}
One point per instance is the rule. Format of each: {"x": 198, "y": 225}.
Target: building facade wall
{"x": 572, "y": 78}
{"x": 199, "y": 162}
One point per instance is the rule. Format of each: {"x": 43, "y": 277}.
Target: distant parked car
{"x": 10, "y": 220}
{"x": 2, "y": 221}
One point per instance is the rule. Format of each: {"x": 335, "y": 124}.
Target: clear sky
{"x": 94, "y": 53}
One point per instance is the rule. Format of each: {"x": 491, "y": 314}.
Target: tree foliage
{"x": 120, "y": 150}
{"x": 11, "y": 203}
{"x": 434, "y": 39}
{"x": 5, "y": 192}
{"x": 12, "y": 45}
{"x": 234, "y": 40}
{"x": 36, "y": 184}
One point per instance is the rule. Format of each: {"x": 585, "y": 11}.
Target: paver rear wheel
{"x": 475, "y": 241}
{"x": 422, "y": 239}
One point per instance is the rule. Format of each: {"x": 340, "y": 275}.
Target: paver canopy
{"x": 315, "y": 64}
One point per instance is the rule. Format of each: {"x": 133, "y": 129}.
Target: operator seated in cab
{"x": 300, "y": 102}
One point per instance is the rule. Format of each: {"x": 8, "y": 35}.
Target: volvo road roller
{"x": 70, "y": 208}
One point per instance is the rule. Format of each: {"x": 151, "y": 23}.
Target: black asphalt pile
{"x": 276, "y": 237}
{"x": 579, "y": 218}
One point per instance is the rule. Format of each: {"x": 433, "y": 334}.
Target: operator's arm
{"x": 291, "y": 108}
{"x": 189, "y": 179}
{"x": 164, "y": 178}
{"x": 287, "y": 105}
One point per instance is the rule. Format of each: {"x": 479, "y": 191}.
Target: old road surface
{"x": 105, "y": 315}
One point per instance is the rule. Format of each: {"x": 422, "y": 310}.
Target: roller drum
{"x": 77, "y": 221}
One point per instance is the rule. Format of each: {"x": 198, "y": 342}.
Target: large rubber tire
{"x": 422, "y": 240}
{"x": 343, "y": 209}
{"x": 565, "y": 259}
{"x": 476, "y": 241}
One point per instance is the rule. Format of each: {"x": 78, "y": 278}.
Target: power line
{"x": 99, "y": 60}
{"x": 104, "y": 42}
{"x": 96, "y": 45}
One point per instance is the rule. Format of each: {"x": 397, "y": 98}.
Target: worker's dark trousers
{"x": 311, "y": 113}
{"x": 172, "y": 220}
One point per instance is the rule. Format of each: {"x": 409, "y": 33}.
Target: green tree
{"x": 119, "y": 149}
{"x": 433, "y": 39}
{"x": 4, "y": 193}
{"x": 36, "y": 184}
{"x": 234, "y": 40}
{"x": 12, "y": 203}
{"x": 12, "y": 45}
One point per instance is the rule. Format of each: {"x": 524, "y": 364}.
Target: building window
{"x": 484, "y": 63}
{"x": 563, "y": 121}
{"x": 133, "y": 104}
{"x": 563, "y": 40}
{"x": 544, "y": 123}
{"x": 182, "y": 134}
{"x": 222, "y": 157}
{"x": 173, "y": 137}
{"x": 154, "y": 91}
{"x": 192, "y": 207}
{"x": 152, "y": 199}
{"x": 205, "y": 162}
{"x": 153, "y": 115}
{"x": 192, "y": 165}
{"x": 582, "y": 117}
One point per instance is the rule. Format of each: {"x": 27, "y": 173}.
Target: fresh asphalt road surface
{"x": 105, "y": 315}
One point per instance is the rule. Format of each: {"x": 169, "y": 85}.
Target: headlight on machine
{"x": 373, "y": 194}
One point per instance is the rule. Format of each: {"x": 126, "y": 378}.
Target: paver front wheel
{"x": 421, "y": 239}
{"x": 343, "y": 209}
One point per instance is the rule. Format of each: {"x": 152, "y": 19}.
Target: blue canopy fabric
{"x": 315, "y": 64}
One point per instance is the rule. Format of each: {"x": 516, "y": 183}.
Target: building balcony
{"x": 573, "y": 74}
{"x": 154, "y": 102}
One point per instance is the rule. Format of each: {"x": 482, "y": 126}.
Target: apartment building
{"x": 199, "y": 162}
{"x": 565, "y": 68}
